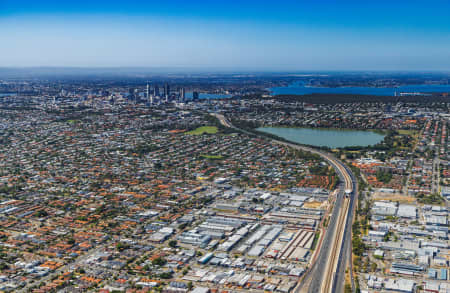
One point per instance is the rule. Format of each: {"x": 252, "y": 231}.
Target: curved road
{"x": 327, "y": 273}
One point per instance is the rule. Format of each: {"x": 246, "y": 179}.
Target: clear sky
{"x": 258, "y": 35}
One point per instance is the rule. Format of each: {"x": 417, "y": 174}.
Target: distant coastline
{"x": 298, "y": 88}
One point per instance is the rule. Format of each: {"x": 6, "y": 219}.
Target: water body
{"x": 299, "y": 88}
{"x": 208, "y": 96}
{"x": 7, "y": 94}
{"x": 333, "y": 138}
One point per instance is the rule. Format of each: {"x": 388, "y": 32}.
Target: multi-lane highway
{"x": 327, "y": 273}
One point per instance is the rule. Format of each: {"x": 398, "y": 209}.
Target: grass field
{"x": 393, "y": 197}
{"x": 212, "y": 157}
{"x": 203, "y": 130}
{"x": 411, "y": 132}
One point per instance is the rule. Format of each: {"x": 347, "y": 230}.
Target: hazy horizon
{"x": 284, "y": 36}
{"x": 164, "y": 70}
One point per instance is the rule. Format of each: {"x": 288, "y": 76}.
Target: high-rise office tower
{"x": 182, "y": 94}
{"x": 131, "y": 94}
{"x": 150, "y": 98}
{"x": 156, "y": 90}
{"x": 166, "y": 91}
{"x": 148, "y": 91}
{"x": 195, "y": 96}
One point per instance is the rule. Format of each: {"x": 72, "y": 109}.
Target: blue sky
{"x": 255, "y": 35}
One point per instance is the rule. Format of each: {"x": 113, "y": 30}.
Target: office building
{"x": 182, "y": 94}
{"x": 167, "y": 91}
{"x": 195, "y": 96}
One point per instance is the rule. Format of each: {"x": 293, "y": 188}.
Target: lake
{"x": 299, "y": 88}
{"x": 333, "y": 138}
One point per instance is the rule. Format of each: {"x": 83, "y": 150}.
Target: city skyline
{"x": 193, "y": 146}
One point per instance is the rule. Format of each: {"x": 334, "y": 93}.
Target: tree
{"x": 166, "y": 275}
{"x": 182, "y": 226}
{"x": 122, "y": 246}
{"x": 159, "y": 261}
{"x": 358, "y": 246}
{"x": 387, "y": 237}
{"x": 373, "y": 267}
{"x": 348, "y": 288}
{"x": 3, "y": 266}
{"x": 173, "y": 243}
{"x": 384, "y": 177}
{"x": 42, "y": 213}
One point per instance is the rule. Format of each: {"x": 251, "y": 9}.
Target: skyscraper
{"x": 148, "y": 91}
{"x": 182, "y": 94}
{"x": 166, "y": 91}
{"x": 151, "y": 99}
{"x": 195, "y": 96}
{"x": 131, "y": 96}
{"x": 156, "y": 90}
